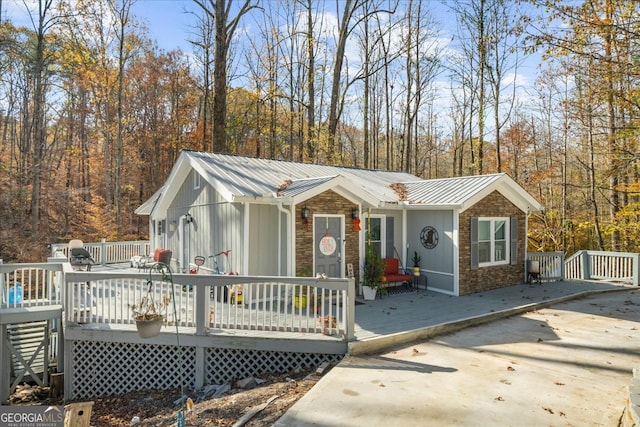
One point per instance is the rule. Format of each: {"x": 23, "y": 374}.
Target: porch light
{"x": 355, "y": 213}
{"x": 306, "y": 212}
{"x": 188, "y": 218}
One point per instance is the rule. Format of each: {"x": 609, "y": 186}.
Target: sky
{"x": 170, "y": 24}
{"x": 168, "y": 21}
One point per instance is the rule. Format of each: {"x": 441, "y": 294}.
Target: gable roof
{"x": 465, "y": 191}
{"x": 238, "y": 179}
{"x": 253, "y": 177}
{"x": 246, "y": 179}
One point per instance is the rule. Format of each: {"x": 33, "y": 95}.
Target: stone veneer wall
{"x": 486, "y": 278}
{"x": 329, "y": 203}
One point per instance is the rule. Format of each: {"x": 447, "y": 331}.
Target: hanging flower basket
{"x": 148, "y": 314}
{"x": 149, "y": 328}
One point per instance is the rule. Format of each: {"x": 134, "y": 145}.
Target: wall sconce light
{"x": 355, "y": 213}
{"x": 188, "y": 218}
{"x": 306, "y": 212}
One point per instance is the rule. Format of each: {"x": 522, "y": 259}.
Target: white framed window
{"x": 196, "y": 180}
{"x": 375, "y": 229}
{"x": 493, "y": 241}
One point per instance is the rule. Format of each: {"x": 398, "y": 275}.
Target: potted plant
{"x": 416, "y": 263}
{"x": 149, "y": 315}
{"x": 372, "y": 274}
{"x": 300, "y": 297}
{"x": 301, "y": 292}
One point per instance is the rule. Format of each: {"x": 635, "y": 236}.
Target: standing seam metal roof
{"x": 448, "y": 191}
{"x": 245, "y": 176}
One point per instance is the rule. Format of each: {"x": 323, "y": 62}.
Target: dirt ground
{"x": 158, "y": 408}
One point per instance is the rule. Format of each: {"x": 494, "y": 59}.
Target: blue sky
{"x": 168, "y": 21}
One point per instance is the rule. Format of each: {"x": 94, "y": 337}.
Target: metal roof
{"x": 295, "y": 188}
{"x": 448, "y": 191}
{"x": 463, "y": 192}
{"x": 253, "y": 177}
{"x": 238, "y": 178}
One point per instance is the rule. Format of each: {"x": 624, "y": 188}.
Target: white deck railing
{"x": 29, "y": 294}
{"x": 108, "y": 252}
{"x": 29, "y": 285}
{"x": 550, "y": 264}
{"x": 589, "y": 265}
{"x": 207, "y": 302}
{"x": 600, "y": 265}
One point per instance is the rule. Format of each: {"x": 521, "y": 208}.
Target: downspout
{"x": 455, "y": 213}
{"x": 405, "y": 240}
{"x": 526, "y": 245}
{"x": 288, "y": 239}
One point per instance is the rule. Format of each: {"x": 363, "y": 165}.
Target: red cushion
{"x": 162, "y": 255}
{"x": 392, "y": 265}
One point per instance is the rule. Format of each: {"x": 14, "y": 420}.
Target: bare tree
{"x": 225, "y": 27}
{"x": 203, "y": 43}
{"x": 121, "y": 10}
{"x": 471, "y": 16}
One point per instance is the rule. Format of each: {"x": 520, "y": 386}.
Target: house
{"x": 279, "y": 218}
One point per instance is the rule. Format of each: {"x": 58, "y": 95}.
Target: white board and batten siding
{"x": 267, "y": 246}
{"x": 216, "y": 226}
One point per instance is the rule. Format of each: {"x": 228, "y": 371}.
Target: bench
{"x": 393, "y": 274}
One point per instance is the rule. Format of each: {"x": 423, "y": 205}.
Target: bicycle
{"x": 215, "y": 260}
{"x": 235, "y": 290}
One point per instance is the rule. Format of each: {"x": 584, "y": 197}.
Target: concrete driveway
{"x": 567, "y": 365}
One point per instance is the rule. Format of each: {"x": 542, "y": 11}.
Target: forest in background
{"x": 93, "y": 114}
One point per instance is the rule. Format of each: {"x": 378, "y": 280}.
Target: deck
{"x": 221, "y": 340}
{"x": 393, "y": 319}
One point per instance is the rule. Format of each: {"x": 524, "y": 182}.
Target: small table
{"x": 416, "y": 281}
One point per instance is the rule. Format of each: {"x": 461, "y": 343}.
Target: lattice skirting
{"x": 109, "y": 368}
{"x": 226, "y": 364}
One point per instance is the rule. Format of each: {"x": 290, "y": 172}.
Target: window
{"x": 493, "y": 241}
{"x": 377, "y": 236}
{"x": 196, "y": 180}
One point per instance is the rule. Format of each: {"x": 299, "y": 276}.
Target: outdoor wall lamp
{"x": 188, "y": 218}
{"x": 355, "y": 213}
{"x": 305, "y": 212}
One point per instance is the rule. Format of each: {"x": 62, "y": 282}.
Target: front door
{"x": 328, "y": 245}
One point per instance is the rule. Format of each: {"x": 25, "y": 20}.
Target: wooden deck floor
{"x": 402, "y": 313}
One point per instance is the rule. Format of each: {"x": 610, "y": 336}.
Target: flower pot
{"x": 369, "y": 292}
{"x": 300, "y": 301}
{"x": 416, "y": 271}
{"x": 149, "y": 328}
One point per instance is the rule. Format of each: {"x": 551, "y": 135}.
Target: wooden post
{"x": 5, "y": 365}
{"x": 56, "y": 388}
